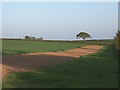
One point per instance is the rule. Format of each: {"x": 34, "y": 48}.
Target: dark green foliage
{"x": 27, "y": 37}
{"x": 117, "y": 40}
{"x": 83, "y": 35}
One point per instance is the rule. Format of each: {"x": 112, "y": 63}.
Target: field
{"x": 99, "y": 70}
{"x": 10, "y": 47}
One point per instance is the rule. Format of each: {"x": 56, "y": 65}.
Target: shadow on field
{"x": 33, "y": 62}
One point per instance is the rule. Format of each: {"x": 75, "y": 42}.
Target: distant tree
{"x": 27, "y": 37}
{"x": 32, "y": 38}
{"x": 83, "y": 35}
{"x": 41, "y": 38}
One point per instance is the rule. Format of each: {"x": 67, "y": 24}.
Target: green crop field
{"x": 10, "y": 47}
{"x": 99, "y": 70}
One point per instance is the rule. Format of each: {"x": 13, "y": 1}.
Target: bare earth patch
{"x": 77, "y": 52}
{"x": 40, "y": 60}
{"x": 7, "y": 69}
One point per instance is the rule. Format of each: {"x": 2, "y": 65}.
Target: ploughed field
{"x": 11, "y": 49}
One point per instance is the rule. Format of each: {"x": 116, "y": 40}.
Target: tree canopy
{"x": 27, "y": 37}
{"x": 83, "y": 35}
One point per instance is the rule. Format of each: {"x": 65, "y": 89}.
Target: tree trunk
{"x": 83, "y": 39}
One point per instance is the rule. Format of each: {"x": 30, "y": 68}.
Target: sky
{"x": 60, "y": 20}
{"x": 59, "y": 0}
{"x": 119, "y": 16}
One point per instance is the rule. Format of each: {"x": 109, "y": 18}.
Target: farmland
{"x": 60, "y": 45}
{"x": 10, "y": 47}
{"x": 99, "y": 70}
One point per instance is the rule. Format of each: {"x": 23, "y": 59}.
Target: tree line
{"x": 32, "y": 38}
{"x": 84, "y": 36}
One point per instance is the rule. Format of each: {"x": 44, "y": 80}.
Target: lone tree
{"x": 83, "y": 35}
{"x": 27, "y": 37}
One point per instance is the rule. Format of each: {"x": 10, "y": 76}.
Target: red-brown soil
{"x": 77, "y": 52}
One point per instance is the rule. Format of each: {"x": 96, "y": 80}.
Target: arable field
{"x": 98, "y": 70}
{"x": 10, "y": 47}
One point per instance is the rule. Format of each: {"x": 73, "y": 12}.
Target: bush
{"x": 117, "y": 40}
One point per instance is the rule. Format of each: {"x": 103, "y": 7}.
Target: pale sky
{"x": 60, "y": 20}
{"x": 59, "y": 0}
